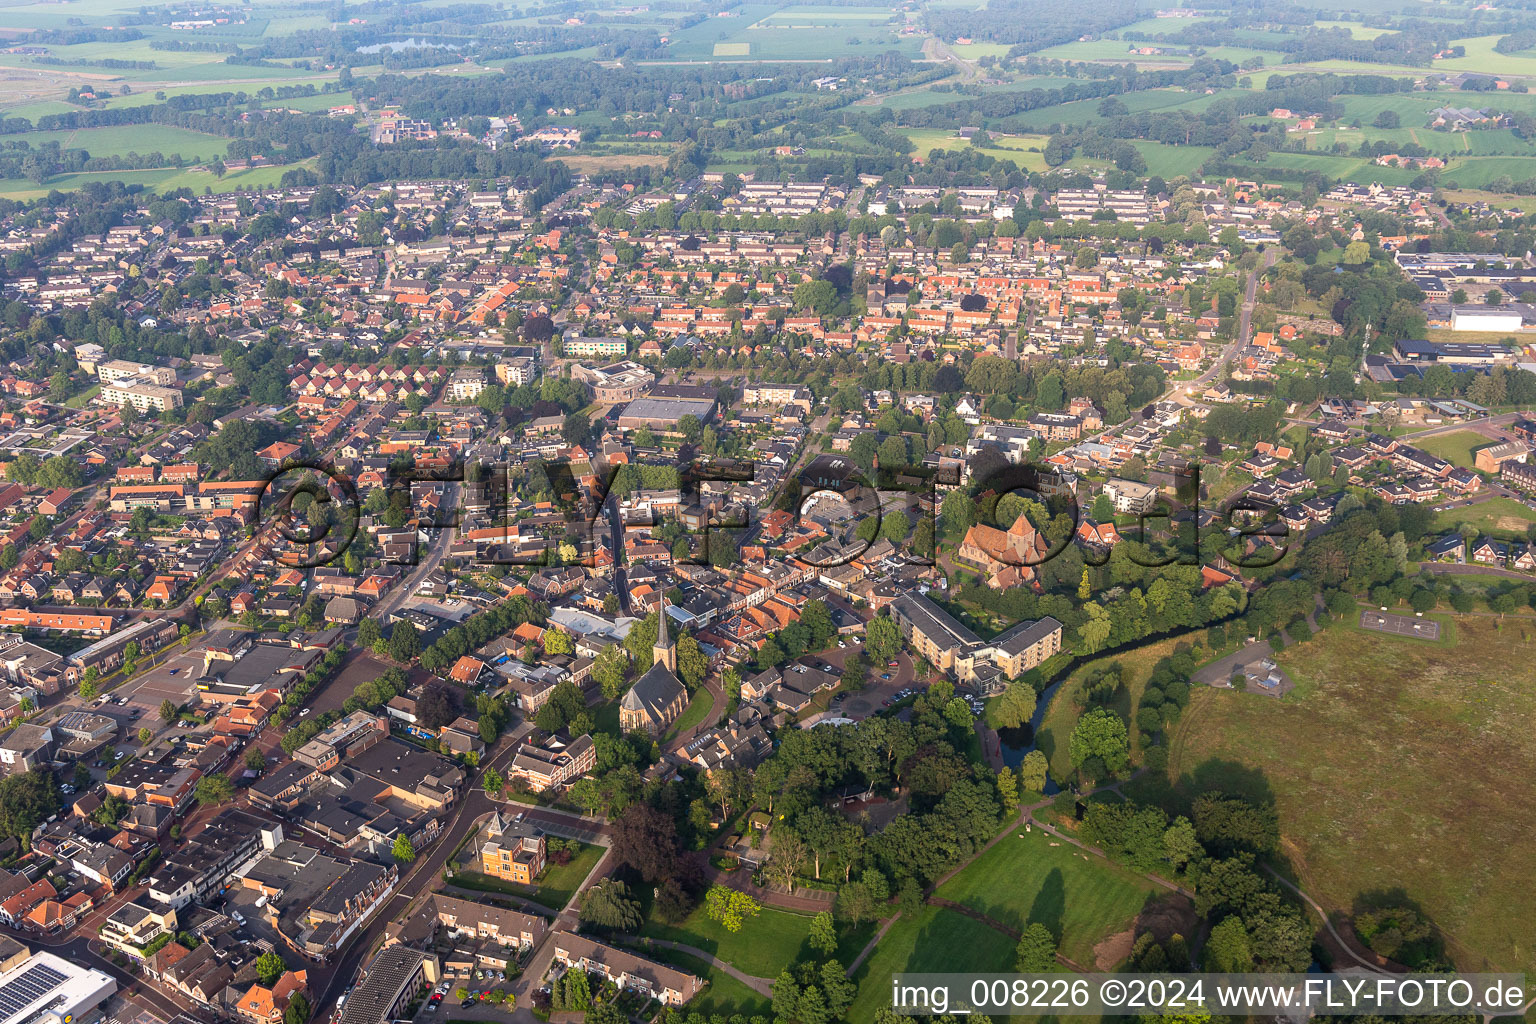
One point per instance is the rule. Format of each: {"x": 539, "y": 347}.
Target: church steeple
{"x": 665, "y": 650}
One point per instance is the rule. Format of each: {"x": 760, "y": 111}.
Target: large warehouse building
{"x": 46, "y": 989}
{"x": 666, "y": 404}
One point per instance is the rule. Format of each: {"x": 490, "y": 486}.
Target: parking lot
{"x": 172, "y": 680}
{"x": 1402, "y": 625}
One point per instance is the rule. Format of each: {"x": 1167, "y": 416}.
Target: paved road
{"x": 1244, "y": 326}
{"x": 1455, "y": 569}
{"x": 1490, "y": 422}
{"x": 442, "y": 537}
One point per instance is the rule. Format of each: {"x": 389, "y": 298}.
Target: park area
{"x": 1397, "y": 764}
{"x": 1091, "y": 905}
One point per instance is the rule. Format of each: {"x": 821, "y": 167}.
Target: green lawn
{"x": 697, "y": 711}
{"x": 724, "y": 995}
{"x": 1456, "y": 446}
{"x": 1400, "y": 765}
{"x": 935, "y": 940}
{"x": 556, "y": 886}
{"x": 1502, "y": 516}
{"x": 765, "y": 945}
{"x": 83, "y": 399}
{"x": 1027, "y": 878}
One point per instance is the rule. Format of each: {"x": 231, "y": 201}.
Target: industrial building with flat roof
{"x": 666, "y": 404}
{"x": 47, "y": 989}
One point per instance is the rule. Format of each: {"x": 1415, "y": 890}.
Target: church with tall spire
{"x": 664, "y": 651}
{"x": 658, "y": 697}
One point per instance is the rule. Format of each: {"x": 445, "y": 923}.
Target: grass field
{"x": 765, "y": 944}
{"x": 1037, "y": 879}
{"x": 1056, "y": 727}
{"x": 1481, "y": 56}
{"x": 698, "y": 710}
{"x": 937, "y": 940}
{"x": 1500, "y": 516}
{"x": 725, "y": 995}
{"x": 732, "y": 49}
{"x": 1457, "y": 446}
{"x": 1024, "y": 151}
{"x": 556, "y": 886}
{"x": 121, "y": 140}
{"x": 154, "y": 181}
{"x": 1395, "y": 767}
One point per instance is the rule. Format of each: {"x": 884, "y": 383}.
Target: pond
{"x": 396, "y": 45}
{"x": 1017, "y": 742}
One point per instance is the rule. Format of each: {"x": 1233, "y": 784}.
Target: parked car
{"x": 886, "y": 676}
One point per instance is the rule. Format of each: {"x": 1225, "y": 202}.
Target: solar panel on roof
{"x": 28, "y": 987}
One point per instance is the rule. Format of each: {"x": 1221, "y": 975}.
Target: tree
{"x": 823, "y": 936}
{"x": 1033, "y": 770}
{"x": 146, "y": 735}
{"x": 404, "y": 642}
{"x": 609, "y": 906}
{"x": 882, "y": 638}
{"x": 558, "y": 641}
{"x": 255, "y": 759}
{"x": 112, "y": 810}
{"x": 1356, "y": 254}
{"x": 298, "y": 1010}
{"x": 645, "y": 839}
{"x": 786, "y": 996}
{"x": 270, "y": 967}
{"x": 1007, "y": 788}
{"x": 1100, "y": 735}
{"x": 368, "y": 631}
{"x": 1036, "y": 951}
{"x": 788, "y": 856}
{"x": 817, "y": 296}
{"x": 492, "y": 781}
{"x": 1227, "y": 950}
{"x": 606, "y": 1013}
{"x": 729, "y": 907}
{"x": 214, "y": 789}
{"x": 610, "y": 669}
{"x": 168, "y": 711}
{"x": 402, "y": 850}
{"x": 1015, "y": 707}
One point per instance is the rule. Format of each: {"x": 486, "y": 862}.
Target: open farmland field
{"x": 155, "y": 180}
{"x": 1357, "y": 762}
{"x": 133, "y": 138}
